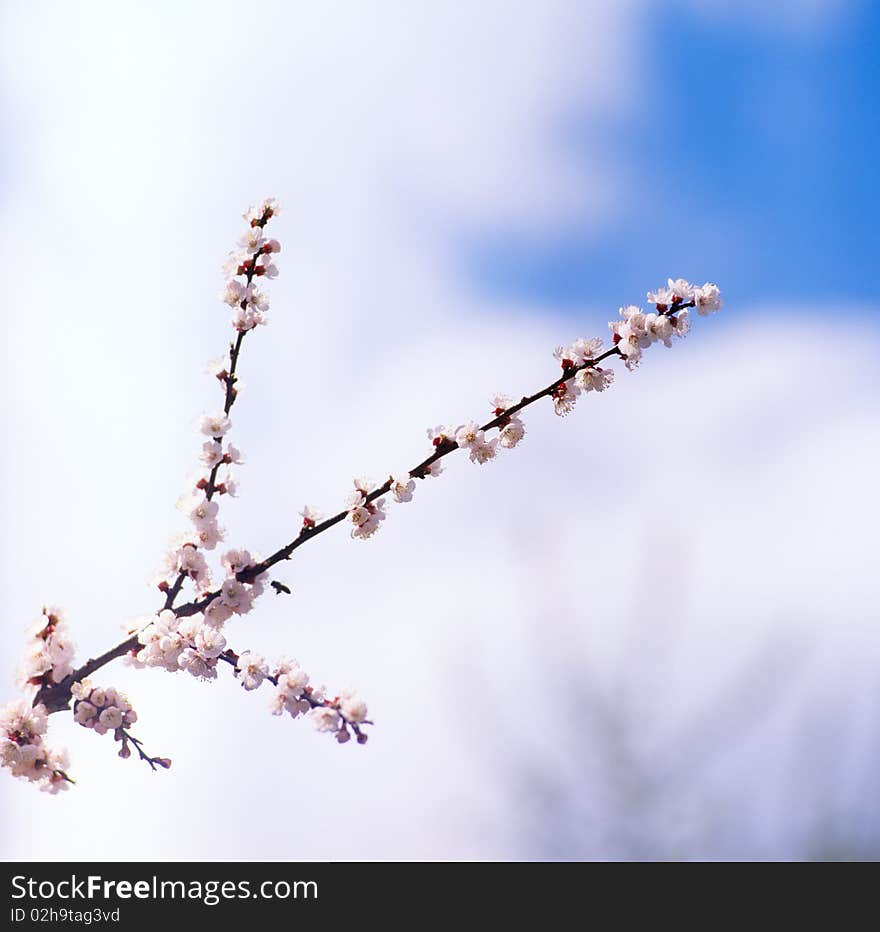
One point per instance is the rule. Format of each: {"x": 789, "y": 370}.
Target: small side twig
{"x": 126, "y": 737}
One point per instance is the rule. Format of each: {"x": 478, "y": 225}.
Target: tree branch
{"x": 56, "y": 697}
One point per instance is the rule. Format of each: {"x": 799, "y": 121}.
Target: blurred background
{"x": 651, "y": 631}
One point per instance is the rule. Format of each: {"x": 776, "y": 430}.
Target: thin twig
{"x": 231, "y": 657}
{"x": 154, "y": 762}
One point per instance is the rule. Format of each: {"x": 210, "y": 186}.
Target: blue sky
{"x": 751, "y": 158}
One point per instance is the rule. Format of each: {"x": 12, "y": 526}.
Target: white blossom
{"x": 236, "y": 596}
{"x": 234, "y": 293}
{"x": 681, "y": 289}
{"x": 483, "y": 451}
{"x": 228, "y": 484}
{"x": 212, "y": 453}
{"x": 197, "y": 665}
{"x": 101, "y": 709}
{"x": 707, "y": 299}
{"x": 266, "y": 209}
{"x": 208, "y": 535}
{"x": 364, "y": 515}
{"x": 441, "y": 435}
{"x": 630, "y": 336}
{"x": 353, "y": 708}
{"x": 681, "y": 323}
{"x": 511, "y": 433}
{"x": 267, "y": 268}
{"x": 24, "y": 760}
{"x": 55, "y": 778}
{"x": 366, "y": 518}
{"x": 235, "y": 561}
{"x": 594, "y": 379}
{"x": 234, "y": 455}
{"x": 191, "y": 561}
{"x": 216, "y": 614}
{"x": 252, "y": 670}
{"x": 659, "y": 327}
{"x": 662, "y": 298}
{"x": 561, "y": 354}
{"x": 311, "y": 516}
{"x": 49, "y": 651}
{"x": 583, "y": 350}
{"x": 500, "y": 403}
{"x": 296, "y": 678}
{"x": 84, "y": 712}
{"x": 565, "y": 397}
{"x": 198, "y": 508}
{"x": 677, "y": 291}
{"x": 579, "y": 352}
{"x": 234, "y": 263}
{"x": 22, "y": 722}
{"x": 110, "y": 719}
{"x": 288, "y": 695}
{"x": 325, "y": 719}
{"x": 402, "y": 487}
{"x": 255, "y": 298}
{"x": 251, "y": 241}
{"x": 246, "y": 318}
{"x": 161, "y": 642}
{"x": 364, "y": 485}
{"x": 209, "y": 642}
{"x": 471, "y": 438}
{"x": 214, "y": 425}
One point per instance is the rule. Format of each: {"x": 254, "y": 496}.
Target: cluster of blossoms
{"x": 179, "y": 644}
{"x": 47, "y": 665}
{"x": 107, "y": 710}
{"x": 195, "y": 643}
{"x": 580, "y": 356}
{"x": 632, "y": 333}
{"x": 511, "y": 428}
{"x": 22, "y": 751}
{"x": 49, "y": 651}
{"x": 184, "y": 559}
{"x": 253, "y": 259}
{"x": 636, "y": 331}
{"x": 340, "y": 716}
{"x": 47, "y": 661}
{"x": 472, "y": 438}
{"x": 679, "y": 292}
{"x": 363, "y": 509}
{"x": 364, "y": 515}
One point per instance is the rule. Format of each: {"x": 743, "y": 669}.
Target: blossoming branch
{"x": 191, "y": 637}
